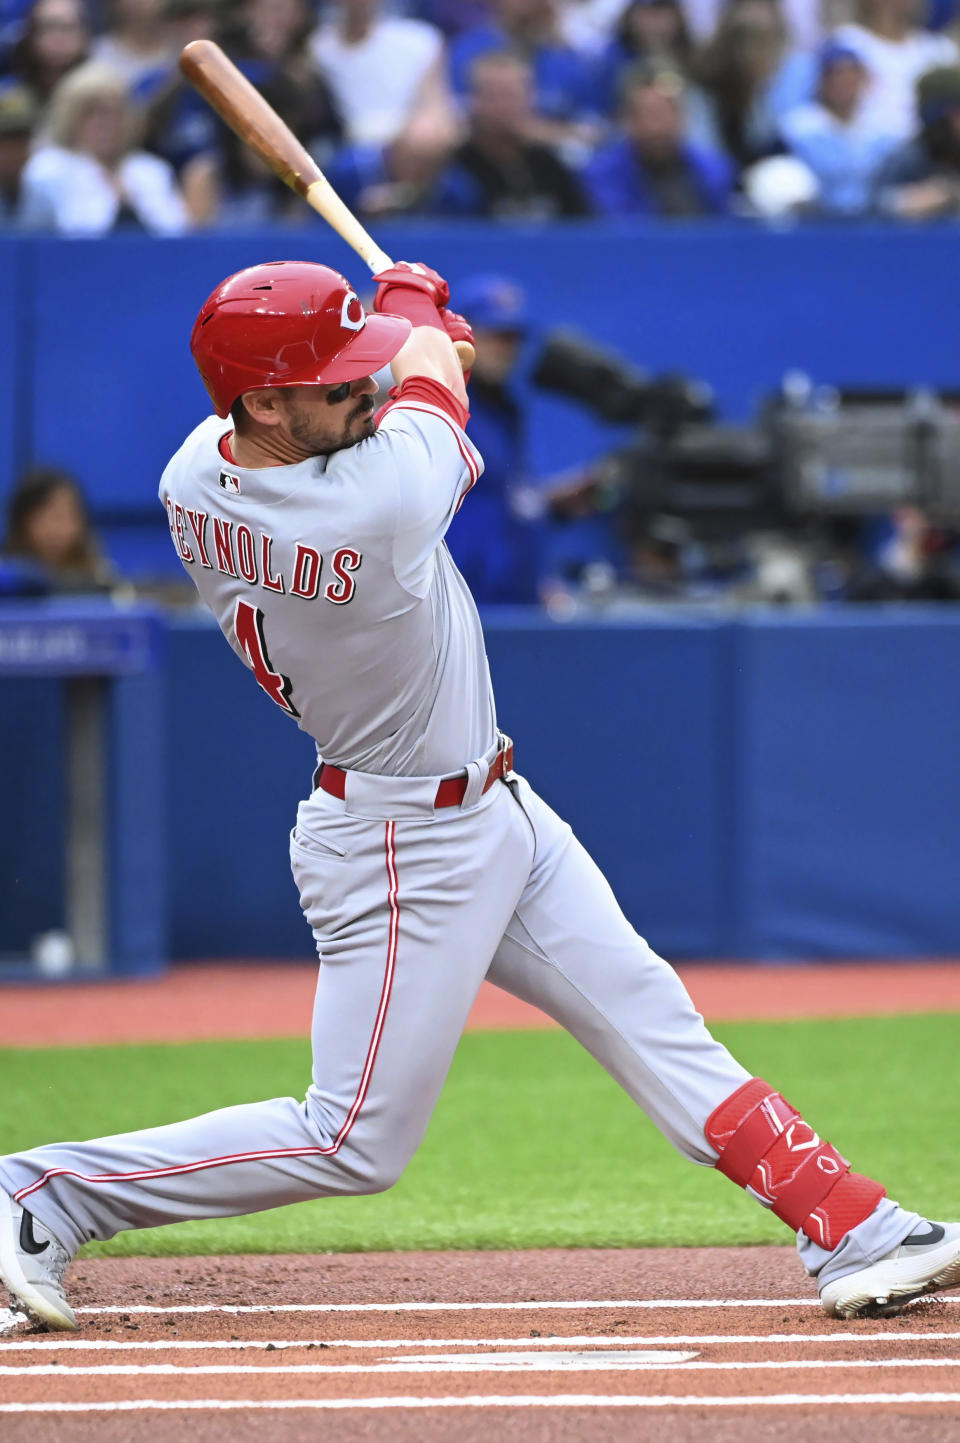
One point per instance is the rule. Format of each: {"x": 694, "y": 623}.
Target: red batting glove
{"x": 414, "y": 291}
{"x": 458, "y": 328}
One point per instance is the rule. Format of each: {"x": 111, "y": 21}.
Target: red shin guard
{"x": 764, "y": 1144}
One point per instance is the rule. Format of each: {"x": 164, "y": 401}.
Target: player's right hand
{"x": 458, "y": 328}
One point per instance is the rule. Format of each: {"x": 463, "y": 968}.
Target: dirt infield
{"x": 198, "y": 1001}
{"x": 520, "y": 1346}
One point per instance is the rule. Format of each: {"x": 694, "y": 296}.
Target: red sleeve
{"x": 430, "y": 393}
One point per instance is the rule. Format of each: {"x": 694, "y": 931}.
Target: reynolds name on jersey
{"x": 245, "y": 553}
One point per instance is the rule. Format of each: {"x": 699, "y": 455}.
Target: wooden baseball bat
{"x": 241, "y": 106}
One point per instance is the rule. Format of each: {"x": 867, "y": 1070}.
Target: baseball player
{"x": 314, "y": 531}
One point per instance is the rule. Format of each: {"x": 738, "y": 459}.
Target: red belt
{"x": 450, "y": 793}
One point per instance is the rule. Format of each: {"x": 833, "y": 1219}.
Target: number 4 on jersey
{"x": 248, "y": 625}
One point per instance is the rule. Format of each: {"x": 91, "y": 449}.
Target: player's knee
{"x": 369, "y": 1170}
{"x": 368, "y": 1159}
{"x": 384, "y": 1172}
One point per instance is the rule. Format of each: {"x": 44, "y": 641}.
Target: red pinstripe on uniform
{"x": 470, "y": 463}
{"x": 393, "y": 937}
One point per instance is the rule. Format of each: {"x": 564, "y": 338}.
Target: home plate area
{"x": 546, "y": 1345}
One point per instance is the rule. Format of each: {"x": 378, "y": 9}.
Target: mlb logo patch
{"x": 230, "y": 483}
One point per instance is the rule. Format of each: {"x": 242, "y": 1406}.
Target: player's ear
{"x": 263, "y": 406}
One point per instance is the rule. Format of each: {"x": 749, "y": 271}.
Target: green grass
{"x": 531, "y": 1144}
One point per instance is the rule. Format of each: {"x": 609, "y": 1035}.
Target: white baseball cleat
{"x": 925, "y": 1262}
{"x": 32, "y": 1265}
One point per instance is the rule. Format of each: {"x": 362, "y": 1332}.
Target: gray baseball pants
{"x": 412, "y": 907}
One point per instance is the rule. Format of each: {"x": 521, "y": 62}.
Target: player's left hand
{"x": 410, "y": 276}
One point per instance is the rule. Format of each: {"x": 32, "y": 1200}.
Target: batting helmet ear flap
{"x": 288, "y": 323}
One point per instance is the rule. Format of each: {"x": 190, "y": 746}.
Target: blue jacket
{"x": 618, "y": 183}
{"x": 498, "y": 554}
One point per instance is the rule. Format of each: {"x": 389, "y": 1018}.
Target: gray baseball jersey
{"x": 329, "y": 580}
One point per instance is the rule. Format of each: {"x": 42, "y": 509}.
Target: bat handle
{"x": 377, "y": 259}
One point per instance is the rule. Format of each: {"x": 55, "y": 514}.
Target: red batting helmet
{"x": 288, "y": 323}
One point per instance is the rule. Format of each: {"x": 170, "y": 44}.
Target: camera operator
{"x": 496, "y": 549}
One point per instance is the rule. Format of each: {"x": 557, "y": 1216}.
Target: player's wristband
{"x": 418, "y": 308}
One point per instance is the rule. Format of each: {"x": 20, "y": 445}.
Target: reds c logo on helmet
{"x": 288, "y": 323}
{"x": 351, "y": 312}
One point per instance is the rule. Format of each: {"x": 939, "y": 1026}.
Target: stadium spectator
{"x": 266, "y": 39}
{"x": 500, "y": 171}
{"x": 273, "y": 32}
{"x": 18, "y": 115}
{"x": 654, "y": 33}
{"x": 495, "y": 548}
{"x": 568, "y": 92}
{"x": 188, "y": 20}
{"x": 13, "y": 18}
{"x": 136, "y": 45}
{"x": 90, "y": 176}
{"x": 382, "y": 180}
{"x": 829, "y": 134}
{"x": 650, "y": 32}
{"x": 921, "y": 179}
{"x": 588, "y": 26}
{"x": 452, "y": 17}
{"x": 383, "y": 71}
{"x": 806, "y": 20}
{"x": 229, "y": 186}
{"x": 49, "y": 529}
{"x": 178, "y": 122}
{"x": 895, "y": 53}
{"x": 650, "y": 168}
{"x": 752, "y": 77}
{"x": 55, "y": 40}
{"x": 272, "y": 48}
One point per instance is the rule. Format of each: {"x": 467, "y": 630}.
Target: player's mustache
{"x": 363, "y": 409}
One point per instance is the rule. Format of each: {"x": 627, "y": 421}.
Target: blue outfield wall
{"x": 847, "y": 797}
{"x": 771, "y": 786}
{"x": 775, "y": 786}
{"x": 94, "y": 335}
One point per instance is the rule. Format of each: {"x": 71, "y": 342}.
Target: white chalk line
{"x": 539, "y": 1305}
{"x": 57, "y": 1342}
{"x": 557, "y": 1400}
{"x": 463, "y": 1363}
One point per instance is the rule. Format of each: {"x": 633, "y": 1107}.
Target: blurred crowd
{"x": 512, "y": 109}
{"x": 530, "y": 110}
